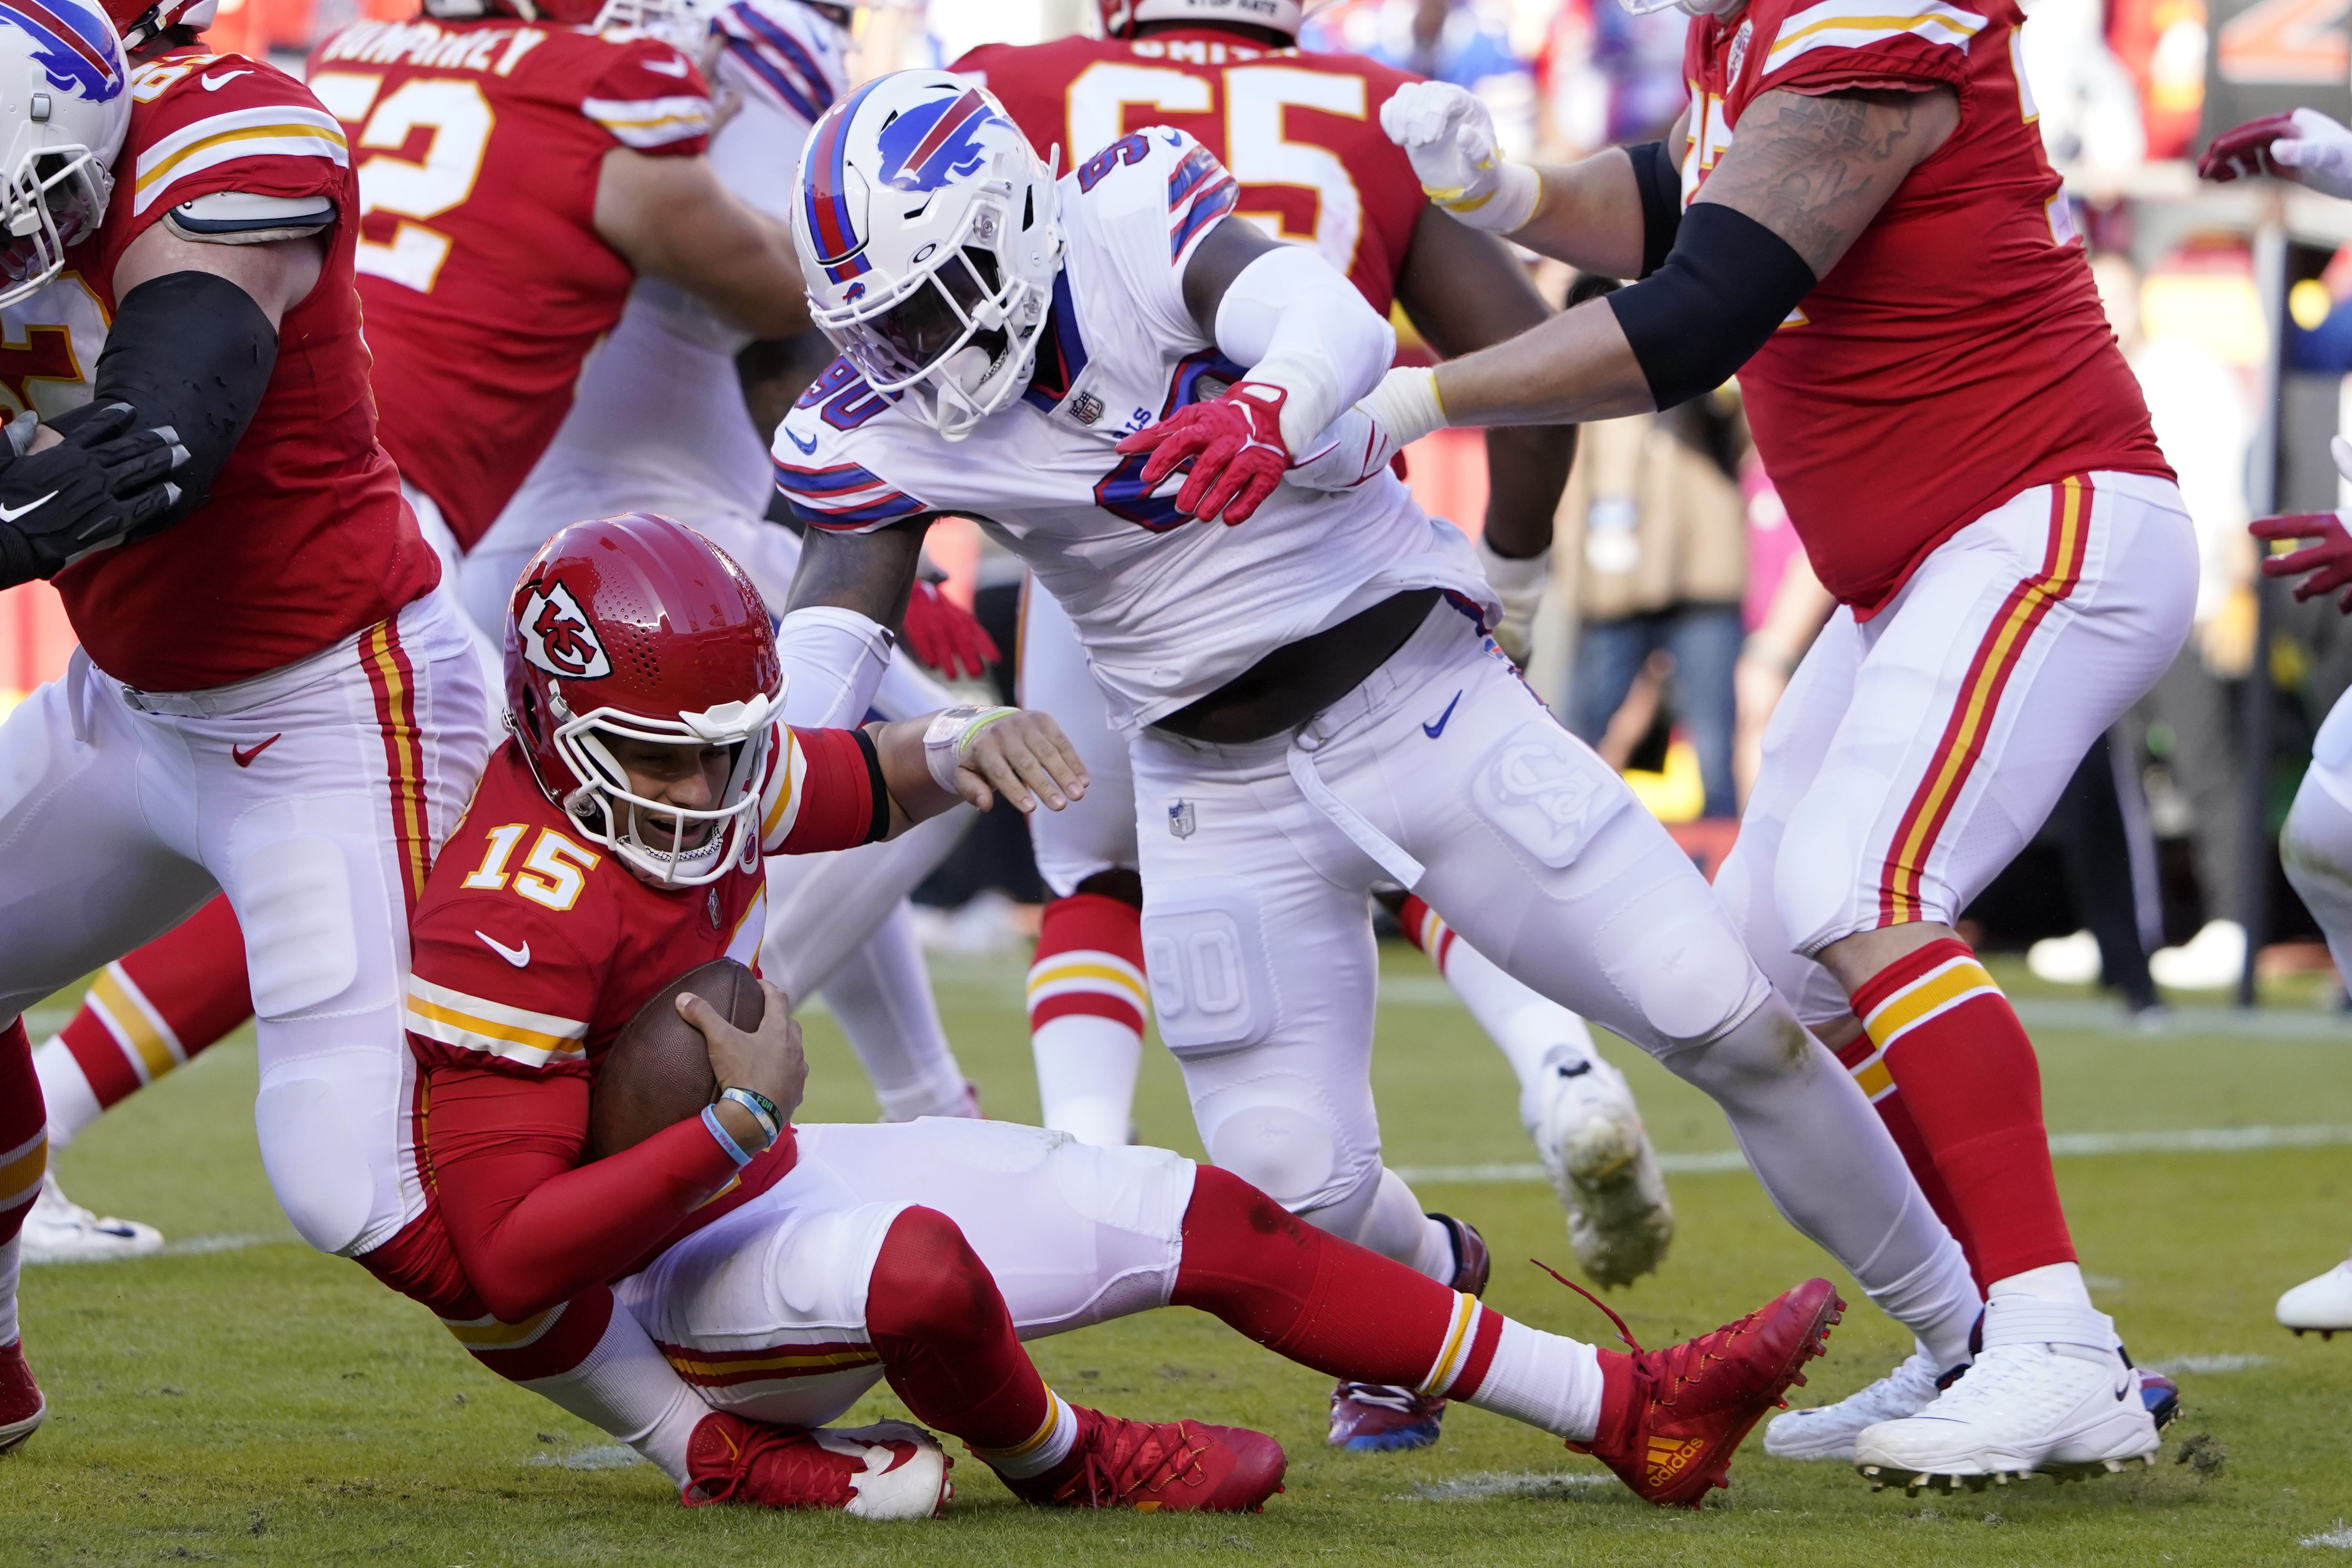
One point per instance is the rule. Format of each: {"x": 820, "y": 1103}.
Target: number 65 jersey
{"x": 1169, "y": 608}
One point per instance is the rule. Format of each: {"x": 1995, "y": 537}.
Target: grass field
{"x": 245, "y": 1400}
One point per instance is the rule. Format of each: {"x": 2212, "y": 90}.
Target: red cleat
{"x": 1670, "y": 1419}
{"x": 1182, "y": 1465}
{"x": 21, "y": 1406}
{"x": 889, "y": 1470}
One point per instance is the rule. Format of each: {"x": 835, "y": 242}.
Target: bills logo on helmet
{"x": 932, "y": 144}
{"x": 557, "y": 637}
{"x": 77, "y": 46}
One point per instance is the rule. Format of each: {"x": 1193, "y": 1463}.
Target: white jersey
{"x": 1168, "y": 609}
{"x": 658, "y": 423}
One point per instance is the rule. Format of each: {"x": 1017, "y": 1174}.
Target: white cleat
{"x": 2065, "y": 960}
{"x": 2213, "y": 958}
{"x": 58, "y": 1230}
{"x": 2049, "y": 1394}
{"x": 905, "y": 1474}
{"x": 1828, "y": 1431}
{"x": 2321, "y": 1306}
{"x": 1590, "y": 1136}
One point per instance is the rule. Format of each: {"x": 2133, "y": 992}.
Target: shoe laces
{"x": 1386, "y": 1395}
{"x": 796, "y": 1465}
{"x": 1119, "y": 1458}
{"x": 1664, "y": 1371}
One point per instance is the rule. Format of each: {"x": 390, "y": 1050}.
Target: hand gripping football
{"x": 656, "y": 1073}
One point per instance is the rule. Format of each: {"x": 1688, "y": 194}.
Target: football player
{"x": 1312, "y": 703}
{"x": 1299, "y": 133}
{"x": 784, "y": 1271}
{"x": 1855, "y": 216}
{"x": 274, "y": 697}
{"x": 2316, "y": 843}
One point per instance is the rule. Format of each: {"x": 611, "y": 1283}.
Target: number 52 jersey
{"x": 1169, "y": 608}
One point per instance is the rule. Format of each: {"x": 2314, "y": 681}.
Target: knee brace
{"x": 315, "y": 1159}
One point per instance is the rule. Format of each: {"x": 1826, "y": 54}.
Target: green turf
{"x": 259, "y": 1403}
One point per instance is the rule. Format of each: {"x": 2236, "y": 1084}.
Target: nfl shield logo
{"x": 1180, "y": 819}
{"x": 1085, "y": 408}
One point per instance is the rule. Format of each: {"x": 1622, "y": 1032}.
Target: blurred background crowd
{"x": 1680, "y": 600}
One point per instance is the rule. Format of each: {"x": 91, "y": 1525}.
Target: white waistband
{"x": 244, "y": 696}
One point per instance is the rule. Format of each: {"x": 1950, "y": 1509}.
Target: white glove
{"x": 1450, "y": 138}
{"x": 2320, "y": 151}
{"x": 1519, "y": 588}
{"x": 1355, "y": 449}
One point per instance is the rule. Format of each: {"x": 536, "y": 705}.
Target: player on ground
{"x": 272, "y": 698}
{"x": 1313, "y": 705}
{"x": 1300, "y": 134}
{"x": 2316, "y": 843}
{"x": 1857, "y": 217}
{"x": 785, "y": 1270}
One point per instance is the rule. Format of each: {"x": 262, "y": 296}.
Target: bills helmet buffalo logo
{"x": 558, "y": 637}
{"x": 934, "y": 143}
{"x": 72, "y": 43}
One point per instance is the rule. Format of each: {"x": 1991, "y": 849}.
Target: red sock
{"x": 161, "y": 1006}
{"x": 1090, "y": 963}
{"x": 1861, "y": 1059}
{"x": 934, "y": 1314}
{"x": 1966, "y": 1069}
{"x": 1321, "y": 1301}
{"x": 1426, "y": 930}
{"x": 24, "y": 1133}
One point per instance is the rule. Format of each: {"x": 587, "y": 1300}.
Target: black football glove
{"x": 99, "y": 487}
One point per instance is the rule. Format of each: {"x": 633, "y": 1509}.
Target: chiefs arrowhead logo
{"x": 557, "y": 635}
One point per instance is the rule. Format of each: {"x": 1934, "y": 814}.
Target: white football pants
{"x": 2315, "y": 845}
{"x": 315, "y": 796}
{"x": 1096, "y": 834}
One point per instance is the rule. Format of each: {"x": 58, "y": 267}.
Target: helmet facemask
{"x": 54, "y": 197}
{"x": 1691, "y": 8}
{"x": 610, "y": 812}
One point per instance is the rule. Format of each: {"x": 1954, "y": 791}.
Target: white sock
{"x": 882, "y": 994}
{"x": 12, "y": 1257}
{"x": 1938, "y": 1301}
{"x": 1085, "y": 1077}
{"x": 626, "y": 1388}
{"x": 1395, "y": 1228}
{"x": 2060, "y": 1284}
{"x": 65, "y": 1089}
{"x": 1532, "y": 1029}
{"x": 1545, "y": 1380}
{"x": 1042, "y": 1452}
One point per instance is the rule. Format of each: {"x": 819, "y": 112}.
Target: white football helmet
{"x": 1695, "y": 7}
{"x": 1284, "y": 16}
{"x": 927, "y": 235}
{"x": 63, "y": 112}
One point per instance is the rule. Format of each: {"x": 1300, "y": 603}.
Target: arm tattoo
{"x": 871, "y": 573}
{"x": 1816, "y": 170}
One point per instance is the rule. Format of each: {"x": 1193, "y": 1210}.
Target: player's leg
{"x": 322, "y": 847}
{"x": 2316, "y": 848}
{"x": 2014, "y": 646}
{"x": 1577, "y": 1110}
{"x": 1086, "y": 994}
{"x": 24, "y": 1160}
{"x": 881, "y": 995}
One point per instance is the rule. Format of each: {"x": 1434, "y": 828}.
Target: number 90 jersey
{"x": 479, "y": 145}
{"x": 1301, "y": 132}
{"x": 1168, "y": 609}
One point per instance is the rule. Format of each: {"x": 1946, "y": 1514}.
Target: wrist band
{"x": 762, "y": 1109}
{"x": 718, "y": 1130}
{"x": 1405, "y": 403}
{"x": 950, "y": 736}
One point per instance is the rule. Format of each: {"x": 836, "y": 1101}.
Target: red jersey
{"x": 1300, "y": 131}
{"x": 530, "y": 950}
{"x": 1958, "y": 353}
{"x": 305, "y": 539}
{"x": 486, "y": 284}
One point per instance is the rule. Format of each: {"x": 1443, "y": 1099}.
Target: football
{"x": 657, "y": 1072}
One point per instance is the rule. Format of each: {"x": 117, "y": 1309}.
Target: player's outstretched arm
{"x": 2305, "y": 146}
{"x": 975, "y": 754}
{"x": 1804, "y": 179}
{"x": 671, "y": 218}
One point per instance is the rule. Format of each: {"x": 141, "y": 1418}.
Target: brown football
{"x": 657, "y": 1072}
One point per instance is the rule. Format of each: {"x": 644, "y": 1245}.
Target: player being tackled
{"x": 783, "y": 1271}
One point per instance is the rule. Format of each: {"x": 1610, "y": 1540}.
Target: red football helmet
{"x": 1119, "y": 16}
{"x": 639, "y": 627}
{"x": 140, "y": 20}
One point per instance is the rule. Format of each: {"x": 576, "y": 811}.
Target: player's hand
{"x": 2305, "y": 146}
{"x": 1234, "y": 444}
{"x": 1449, "y": 136}
{"x": 767, "y": 1061}
{"x": 944, "y": 635}
{"x": 103, "y": 484}
{"x": 1024, "y": 757}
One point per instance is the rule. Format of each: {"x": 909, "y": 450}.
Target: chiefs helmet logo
{"x": 557, "y": 637}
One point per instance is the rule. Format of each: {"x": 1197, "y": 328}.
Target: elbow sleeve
{"x": 1298, "y": 323}
{"x": 190, "y": 350}
{"x": 1724, "y": 290}
{"x": 834, "y": 661}
{"x": 1661, "y": 184}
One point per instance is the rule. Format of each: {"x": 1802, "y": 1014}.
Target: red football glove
{"x": 2329, "y": 561}
{"x": 942, "y": 634}
{"x": 2244, "y": 151}
{"x": 1235, "y": 447}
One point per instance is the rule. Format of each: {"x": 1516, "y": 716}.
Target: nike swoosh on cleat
{"x": 10, "y": 514}
{"x": 808, "y": 447}
{"x": 215, "y": 83}
{"x": 244, "y": 754}
{"x": 1434, "y": 730}
{"x": 518, "y": 956}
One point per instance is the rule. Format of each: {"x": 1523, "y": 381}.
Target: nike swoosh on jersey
{"x": 808, "y": 449}
{"x": 244, "y": 754}
{"x": 668, "y": 67}
{"x": 215, "y": 83}
{"x": 518, "y": 956}
{"x": 10, "y": 514}
{"x": 1434, "y": 730}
